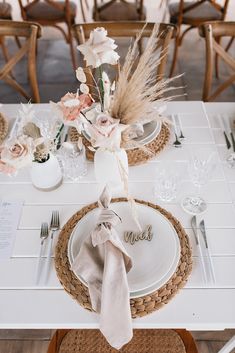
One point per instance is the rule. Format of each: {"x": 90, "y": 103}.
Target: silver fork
{"x": 43, "y": 236}
{"x": 54, "y": 226}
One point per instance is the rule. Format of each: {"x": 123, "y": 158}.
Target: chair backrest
{"x": 27, "y": 4}
{"x": 184, "y": 8}
{"x": 30, "y": 32}
{"x": 132, "y": 29}
{"x": 212, "y": 31}
{"x": 99, "y": 6}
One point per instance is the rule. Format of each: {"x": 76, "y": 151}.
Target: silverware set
{"x": 229, "y": 138}
{"x": 208, "y": 277}
{"x": 179, "y": 136}
{"x": 47, "y": 236}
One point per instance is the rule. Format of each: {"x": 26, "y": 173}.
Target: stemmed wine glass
{"x": 200, "y": 169}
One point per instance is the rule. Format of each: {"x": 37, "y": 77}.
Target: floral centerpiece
{"x": 112, "y": 114}
{"x": 27, "y": 146}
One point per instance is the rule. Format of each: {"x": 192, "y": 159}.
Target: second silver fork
{"x": 54, "y": 226}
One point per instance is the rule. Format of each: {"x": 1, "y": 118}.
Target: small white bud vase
{"x": 111, "y": 167}
{"x": 46, "y": 176}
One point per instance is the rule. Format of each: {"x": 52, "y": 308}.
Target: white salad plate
{"x": 154, "y": 262}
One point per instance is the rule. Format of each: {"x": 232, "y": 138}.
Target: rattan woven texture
{"x": 137, "y": 155}
{"x": 3, "y": 128}
{"x": 139, "y": 306}
{"x": 144, "y": 341}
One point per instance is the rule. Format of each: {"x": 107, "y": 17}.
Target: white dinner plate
{"x": 154, "y": 262}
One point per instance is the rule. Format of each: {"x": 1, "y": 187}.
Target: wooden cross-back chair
{"x": 53, "y": 13}
{"x": 211, "y": 31}
{"x": 5, "y": 14}
{"x": 84, "y": 341}
{"x": 30, "y": 32}
{"x": 119, "y": 10}
{"x": 193, "y": 14}
{"x": 131, "y": 30}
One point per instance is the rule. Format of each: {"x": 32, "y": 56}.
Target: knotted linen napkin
{"x": 103, "y": 263}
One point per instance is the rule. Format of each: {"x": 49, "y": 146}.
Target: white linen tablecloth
{"x": 196, "y": 307}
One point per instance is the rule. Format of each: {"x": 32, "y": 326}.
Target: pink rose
{"x": 105, "y": 132}
{"x": 72, "y": 104}
{"x": 16, "y": 153}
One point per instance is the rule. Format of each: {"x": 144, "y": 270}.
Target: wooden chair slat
{"x": 213, "y": 32}
{"x": 31, "y": 32}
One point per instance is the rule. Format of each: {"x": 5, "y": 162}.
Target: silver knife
{"x": 203, "y": 231}
{"x": 194, "y": 227}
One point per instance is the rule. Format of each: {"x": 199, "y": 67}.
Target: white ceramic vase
{"x": 111, "y": 167}
{"x": 46, "y": 176}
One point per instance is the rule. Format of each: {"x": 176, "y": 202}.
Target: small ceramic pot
{"x": 46, "y": 176}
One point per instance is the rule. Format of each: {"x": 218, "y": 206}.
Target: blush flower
{"x": 72, "y": 104}
{"x": 105, "y": 132}
{"x": 17, "y": 153}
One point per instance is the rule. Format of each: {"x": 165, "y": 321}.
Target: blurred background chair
{"x": 5, "y": 14}
{"x": 154, "y": 341}
{"x": 193, "y": 14}
{"x": 119, "y": 10}
{"x": 53, "y": 13}
{"x": 211, "y": 31}
{"x": 30, "y": 32}
{"x": 131, "y": 30}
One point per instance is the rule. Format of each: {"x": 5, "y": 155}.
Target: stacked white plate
{"x": 154, "y": 262}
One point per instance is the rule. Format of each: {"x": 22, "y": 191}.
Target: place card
{"x": 10, "y": 212}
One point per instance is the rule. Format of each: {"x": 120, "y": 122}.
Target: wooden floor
{"x": 36, "y": 341}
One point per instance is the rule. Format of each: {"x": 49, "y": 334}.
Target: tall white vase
{"x": 46, "y": 176}
{"x": 111, "y": 167}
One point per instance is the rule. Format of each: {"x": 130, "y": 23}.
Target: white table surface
{"x": 195, "y": 307}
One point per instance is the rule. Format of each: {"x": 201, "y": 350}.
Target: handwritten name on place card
{"x": 10, "y": 212}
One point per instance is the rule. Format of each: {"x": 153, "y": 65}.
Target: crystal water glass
{"x": 73, "y": 162}
{"x": 200, "y": 169}
{"x": 166, "y": 183}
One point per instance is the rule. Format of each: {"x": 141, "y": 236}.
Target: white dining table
{"x": 199, "y": 305}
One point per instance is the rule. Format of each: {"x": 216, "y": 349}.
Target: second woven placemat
{"x": 136, "y": 155}
{"x": 139, "y": 306}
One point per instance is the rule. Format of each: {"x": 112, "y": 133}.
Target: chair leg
{"x": 70, "y": 40}
{"x": 4, "y": 50}
{"x": 229, "y": 44}
{"x": 18, "y": 42}
{"x": 175, "y": 54}
{"x": 218, "y": 40}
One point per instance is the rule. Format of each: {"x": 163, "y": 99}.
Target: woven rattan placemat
{"x": 139, "y": 306}
{"x": 152, "y": 341}
{"x": 3, "y": 128}
{"x": 137, "y": 155}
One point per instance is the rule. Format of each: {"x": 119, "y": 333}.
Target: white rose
{"x": 99, "y": 49}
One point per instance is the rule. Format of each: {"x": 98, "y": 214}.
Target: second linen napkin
{"x": 103, "y": 263}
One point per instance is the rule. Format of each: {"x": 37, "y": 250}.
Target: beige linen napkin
{"x": 103, "y": 263}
